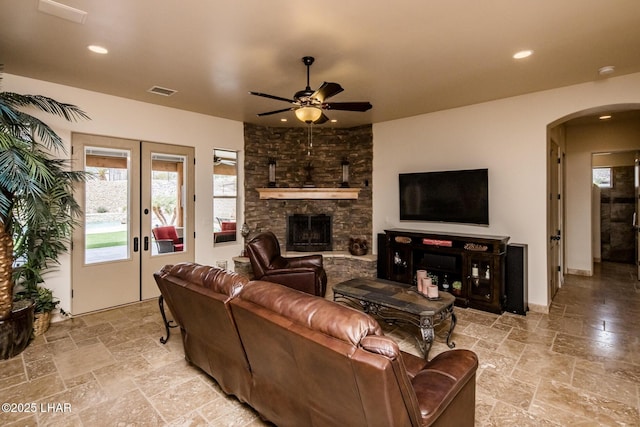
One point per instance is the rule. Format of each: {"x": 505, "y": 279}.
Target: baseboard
{"x": 538, "y": 308}
{"x": 579, "y": 272}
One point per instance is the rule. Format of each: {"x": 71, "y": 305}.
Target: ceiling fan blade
{"x": 266, "y": 95}
{"x": 327, "y": 90}
{"x": 347, "y": 106}
{"x": 321, "y": 120}
{"x": 268, "y": 113}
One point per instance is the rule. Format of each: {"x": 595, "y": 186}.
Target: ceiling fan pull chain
{"x": 310, "y": 140}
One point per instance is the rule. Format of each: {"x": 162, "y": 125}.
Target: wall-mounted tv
{"x": 458, "y": 196}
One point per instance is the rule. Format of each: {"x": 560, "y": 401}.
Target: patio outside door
{"x": 136, "y": 186}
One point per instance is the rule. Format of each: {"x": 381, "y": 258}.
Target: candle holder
{"x": 272, "y": 173}
{"x": 345, "y": 174}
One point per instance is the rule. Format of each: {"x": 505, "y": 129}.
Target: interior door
{"x": 135, "y": 186}
{"x": 553, "y": 221}
{"x": 636, "y": 227}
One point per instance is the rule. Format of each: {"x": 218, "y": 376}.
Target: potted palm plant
{"x": 37, "y": 207}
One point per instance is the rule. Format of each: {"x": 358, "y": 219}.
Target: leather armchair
{"x": 304, "y": 273}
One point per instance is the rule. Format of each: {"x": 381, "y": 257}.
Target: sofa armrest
{"x": 441, "y": 382}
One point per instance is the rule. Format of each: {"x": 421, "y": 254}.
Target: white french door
{"x": 134, "y": 187}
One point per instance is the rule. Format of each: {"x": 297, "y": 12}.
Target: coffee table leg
{"x": 450, "y": 343}
{"x": 427, "y": 333}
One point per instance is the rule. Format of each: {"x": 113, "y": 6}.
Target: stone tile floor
{"x": 579, "y": 365}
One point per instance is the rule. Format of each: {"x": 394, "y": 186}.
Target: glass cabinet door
{"x": 401, "y": 266}
{"x": 480, "y": 287}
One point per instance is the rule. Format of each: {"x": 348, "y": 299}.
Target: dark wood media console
{"x": 477, "y": 262}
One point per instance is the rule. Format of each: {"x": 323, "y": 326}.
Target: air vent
{"x": 162, "y": 91}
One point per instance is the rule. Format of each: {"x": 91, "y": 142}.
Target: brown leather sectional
{"x": 301, "y": 360}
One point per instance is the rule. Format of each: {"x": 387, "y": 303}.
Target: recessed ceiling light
{"x": 283, "y": 119}
{"x": 605, "y": 117}
{"x": 334, "y": 120}
{"x": 98, "y": 49}
{"x": 522, "y": 54}
{"x": 608, "y": 69}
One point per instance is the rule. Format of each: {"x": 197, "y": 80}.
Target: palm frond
{"x": 69, "y": 112}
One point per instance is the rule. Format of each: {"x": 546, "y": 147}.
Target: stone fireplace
{"x": 289, "y": 148}
{"x": 309, "y": 233}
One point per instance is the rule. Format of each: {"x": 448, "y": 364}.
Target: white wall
{"x": 509, "y": 136}
{"x": 120, "y": 117}
{"x": 582, "y": 141}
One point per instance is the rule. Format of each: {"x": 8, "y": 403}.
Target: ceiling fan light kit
{"x": 308, "y": 104}
{"x": 308, "y": 114}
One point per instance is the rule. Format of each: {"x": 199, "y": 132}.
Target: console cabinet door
{"x": 401, "y": 263}
{"x": 481, "y": 287}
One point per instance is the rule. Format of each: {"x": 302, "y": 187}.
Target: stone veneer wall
{"x": 617, "y": 206}
{"x": 288, "y": 146}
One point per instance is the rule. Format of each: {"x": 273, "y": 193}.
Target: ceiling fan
{"x": 217, "y": 161}
{"x": 308, "y": 104}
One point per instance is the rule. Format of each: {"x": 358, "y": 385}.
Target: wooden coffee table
{"x": 398, "y": 302}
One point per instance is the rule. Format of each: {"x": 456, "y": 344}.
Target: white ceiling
{"x": 407, "y": 57}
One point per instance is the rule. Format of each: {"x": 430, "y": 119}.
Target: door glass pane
{"x": 167, "y": 203}
{"x": 225, "y": 193}
{"x": 107, "y": 221}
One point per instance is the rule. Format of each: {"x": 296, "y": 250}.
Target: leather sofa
{"x": 304, "y": 273}
{"x": 298, "y": 359}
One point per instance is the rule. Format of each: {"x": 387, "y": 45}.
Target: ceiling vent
{"x": 162, "y": 91}
{"x": 62, "y": 11}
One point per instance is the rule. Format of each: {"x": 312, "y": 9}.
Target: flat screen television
{"x": 459, "y": 196}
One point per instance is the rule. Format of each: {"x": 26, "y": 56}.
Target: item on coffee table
{"x": 420, "y": 274}
{"x": 432, "y": 291}
{"x": 426, "y": 282}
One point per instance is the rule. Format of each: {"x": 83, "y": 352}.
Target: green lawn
{"x": 105, "y": 240}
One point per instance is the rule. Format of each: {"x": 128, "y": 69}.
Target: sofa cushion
{"x": 308, "y": 364}
{"x": 198, "y": 298}
{"x": 218, "y": 280}
{"x": 317, "y": 314}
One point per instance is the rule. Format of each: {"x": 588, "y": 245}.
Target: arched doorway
{"x": 570, "y": 206}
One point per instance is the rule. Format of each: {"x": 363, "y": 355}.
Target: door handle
{"x": 146, "y": 243}
{"x": 135, "y": 244}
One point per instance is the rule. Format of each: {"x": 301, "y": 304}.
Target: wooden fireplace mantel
{"x": 308, "y": 193}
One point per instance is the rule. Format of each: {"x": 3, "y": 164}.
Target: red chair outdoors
{"x": 167, "y": 239}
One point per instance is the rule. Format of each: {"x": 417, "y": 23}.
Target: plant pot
{"x": 41, "y": 323}
{"x": 16, "y": 330}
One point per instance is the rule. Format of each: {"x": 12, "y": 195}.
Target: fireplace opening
{"x": 309, "y": 233}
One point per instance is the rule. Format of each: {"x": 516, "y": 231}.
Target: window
{"x": 602, "y": 177}
{"x": 225, "y": 195}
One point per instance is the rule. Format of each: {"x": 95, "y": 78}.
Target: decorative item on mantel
{"x": 272, "y": 172}
{"x": 244, "y": 231}
{"x": 358, "y": 246}
{"x": 308, "y": 180}
{"x": 345, "y": 173}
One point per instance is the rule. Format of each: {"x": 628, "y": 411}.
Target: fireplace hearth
{"x": 309, "y": 233}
